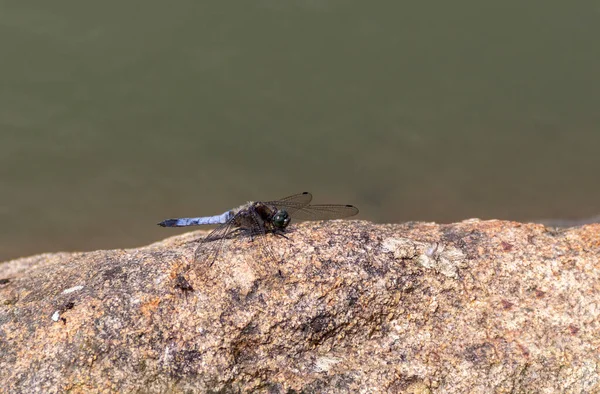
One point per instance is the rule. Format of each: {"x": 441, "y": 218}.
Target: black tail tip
{"x": 168, "y": 223}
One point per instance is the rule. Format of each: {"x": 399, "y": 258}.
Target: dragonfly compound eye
{"x": 281, "y": 219}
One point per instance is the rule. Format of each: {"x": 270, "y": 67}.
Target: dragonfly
{"x": 255, "y": 219}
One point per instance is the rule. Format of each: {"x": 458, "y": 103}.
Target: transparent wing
{"x": 324, "y": 212}
{"x": 258, "y": 235}
{"x": 303, "y": 199}
{"x": 298, "y": 207}
{"x": 210, "y": 247}
{"x": 292, "y": 203}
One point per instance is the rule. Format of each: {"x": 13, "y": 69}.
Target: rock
{"x": 476, "y": 306}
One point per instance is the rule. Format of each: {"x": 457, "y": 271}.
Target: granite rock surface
{"x": 341, "y": 306}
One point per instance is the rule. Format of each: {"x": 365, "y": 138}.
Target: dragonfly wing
{"x": 292, "y": 203}
{"x": 210, "y": 247}
{"x": 303, "y": 198}
{"x": 230, "y": 235}
{"x": 259, "y": 235}
{"x": 324, "y": 212}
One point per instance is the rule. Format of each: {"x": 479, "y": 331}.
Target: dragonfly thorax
{"x": 273, "y": 218}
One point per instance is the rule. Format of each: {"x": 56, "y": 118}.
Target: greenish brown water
{"x": 116, "y": 115}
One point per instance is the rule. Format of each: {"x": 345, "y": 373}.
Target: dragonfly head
{"x": 281, "y": 219}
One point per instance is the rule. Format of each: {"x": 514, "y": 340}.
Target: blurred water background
{"x": 116, "y": 115}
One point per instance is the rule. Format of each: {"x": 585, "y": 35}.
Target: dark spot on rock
{"x": 327, "y": 264}
{"x": 316, "y": 386}
{"x": 506, "y": 246}
{"x": 463, "y": 240}
{"x": 554, "y": 231}
{"x": 539, "y": 293}
{"x": 141, "y": 366}
{"x": 480, "y": 353}
{"x": 372, "y": 270}
{"x": 64, "y": 320}
{"x": 274, "y": 388}
{"x": 115, "y": 273}
{"x": 352, "y": 299}
{"x": 451, "y": 234}
{"x": 319, "y": 323}
{"x": 10, "y": 301}
{"x": 403, "y": 383}
{"x": 320, "y": 328}
{"x": 250, "y": 329}
{"x": 186, "y": 363}
{"x": 253, "y": 293}
{"x": 573, "y": 329}
{"x": 344, "y": 381}
{"x": 409, "y": 288}
{"x": 506, "y": 305}
{"x": 4, "y": 281}
{"x": 182, "y": 284}
{"x": 365, "y": 236}
{"x": 244, "y": 350}
{"x": 523, "y": 349}
{"x": 235, "y": 295}
{"x": 65, "y": 307}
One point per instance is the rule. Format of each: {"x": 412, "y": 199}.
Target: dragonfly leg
{"x": 280, "y": 233}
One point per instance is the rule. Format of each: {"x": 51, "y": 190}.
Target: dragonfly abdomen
{"x": 184, "y": 222}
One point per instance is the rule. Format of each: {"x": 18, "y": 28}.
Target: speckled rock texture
{"x": 343, "y": 307}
